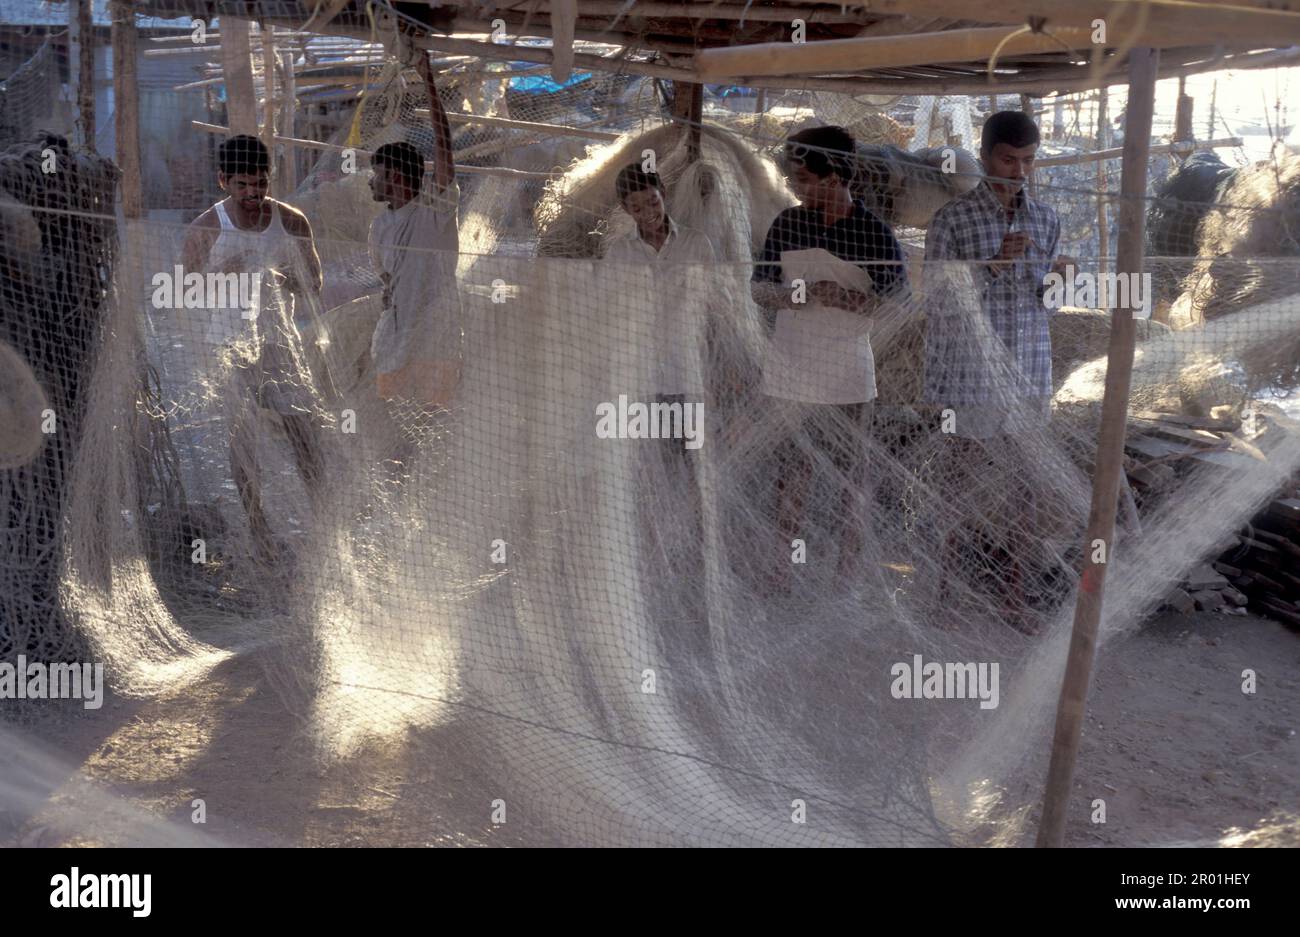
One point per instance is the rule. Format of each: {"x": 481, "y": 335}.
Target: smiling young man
{"x": 249, "y": 234}
{"x": 821, "y": 365}
{"x": 658, "y": 240}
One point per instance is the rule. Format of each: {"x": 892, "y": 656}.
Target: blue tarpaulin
{"x": 542, "y": 84}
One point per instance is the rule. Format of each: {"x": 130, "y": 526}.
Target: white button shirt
{"x": 415, "y": 249}
{"x": 671, "y": 286}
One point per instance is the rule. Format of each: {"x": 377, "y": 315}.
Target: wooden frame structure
{"x": 880, "y": 46}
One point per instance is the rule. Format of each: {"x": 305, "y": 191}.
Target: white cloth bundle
{"x": 821, "y": 354}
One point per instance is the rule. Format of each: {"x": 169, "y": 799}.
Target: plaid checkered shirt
{"x": 958, "y": 370}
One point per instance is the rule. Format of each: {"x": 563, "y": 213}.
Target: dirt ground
{"x": 1177, "y": 751}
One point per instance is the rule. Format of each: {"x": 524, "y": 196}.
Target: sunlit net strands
{"x": 526, "y": 594}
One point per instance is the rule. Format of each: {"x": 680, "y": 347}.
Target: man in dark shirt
{"x": 820, "y": 370}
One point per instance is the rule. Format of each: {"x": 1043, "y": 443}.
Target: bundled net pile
{"x": 57, "y": 253}
{"x": 623, "y": 640}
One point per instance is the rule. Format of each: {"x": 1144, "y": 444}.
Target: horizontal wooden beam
{"x": 1178, "y": 149}
{"x": 849, "y": 85}
{"x": 549, "y": 130}
{"x": 863, "y": 53}
{"x": 825, "y": 13}
{"x": 428, "y": 164}
{"x": 542, "y": 29}
{"x": 877, "y": 52}
{"x": 1181, "y": 22}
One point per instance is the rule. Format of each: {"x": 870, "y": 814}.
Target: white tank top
{"x": 240, "y": 250}
{"x": 271, "y": 248}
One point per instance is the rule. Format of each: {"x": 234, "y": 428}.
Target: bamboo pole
{"x": 712, "y": 11}
{"x": 1109, "y": 471}
{"x": 1214, "y": 95}
{"x": 1103, "y": 185}
{"x": 688, "y": 110}
{"x": 550, "y": 130}
{"x": 1103, "y": 223}
{"x": 1026, "y": 107}
{"x": 82, "y": 35}
{"x": 564, "y": 18}
{"x": 428, "y": 164}
{"x": 544, "y": 57}
{"x": 288, "y": 121}
{"x": 617, "y": 65}
{"x": 1183, "y": 116}
{"x": 1275, "y": 22}
{"x": 609, "y": 37}
{"x": 126, "y": 107}
{"x": 268, "y": 106}
{"x": 859, "y": 54}
{"x": 237, "y": 70}
{"x": 1178, "y": 148}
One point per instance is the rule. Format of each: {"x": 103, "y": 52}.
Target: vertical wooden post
{"x": 1214, "y": 95}
{"x": 289, "y": 112}
{"x": 81, "y": 64}
{"x": 126, "y": 109}
{"x": 1183, "y": 116}
{"x": 688, "y": 109}
{"x": 1103, "y": 223}
{"x": 268, "y": 106}
{"x": 697, "y": 119}
{"x": 564, "y": 20}
{"x": 237, "y": 70}
{"x": 1027, "y": 107}
{"x": 1109, "y": 471}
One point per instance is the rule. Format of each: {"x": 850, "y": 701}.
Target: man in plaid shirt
{"x": 993, "y": 369}
{"x": 1007, "y": 242}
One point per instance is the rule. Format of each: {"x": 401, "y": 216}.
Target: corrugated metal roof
{"x": 42, "y": 13}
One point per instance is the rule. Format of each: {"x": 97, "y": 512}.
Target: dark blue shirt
{"x": 861, "y": 238}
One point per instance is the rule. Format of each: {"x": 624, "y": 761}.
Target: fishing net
{"x": 27, "y": 95}
{"x": 582, "y": 601}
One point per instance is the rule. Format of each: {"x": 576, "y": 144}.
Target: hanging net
{"x": 624, "y": 554}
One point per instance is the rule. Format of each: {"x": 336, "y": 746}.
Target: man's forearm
{"x": 444, "y": 167}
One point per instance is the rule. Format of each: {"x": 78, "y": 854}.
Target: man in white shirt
{"x": 418, "y": 341}
{"x": 677, "y": 326}
{"x": 667, "y": 276}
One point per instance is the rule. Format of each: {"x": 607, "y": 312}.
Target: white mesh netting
{"x": 622, "y": 640}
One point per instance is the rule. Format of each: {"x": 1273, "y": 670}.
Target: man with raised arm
{"x": 418, "y": 342}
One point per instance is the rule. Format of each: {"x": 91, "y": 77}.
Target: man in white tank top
{"x": 418, "y": 341}
{"x": 269, "y": 242}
